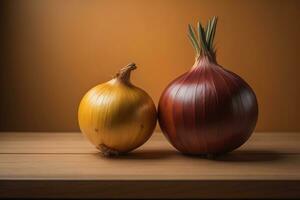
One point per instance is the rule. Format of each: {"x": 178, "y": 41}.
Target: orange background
{"x": 52, "y": 52}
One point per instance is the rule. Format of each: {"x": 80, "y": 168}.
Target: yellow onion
{"x": 117, "y": 116}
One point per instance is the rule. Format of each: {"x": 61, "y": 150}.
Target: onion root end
{"x": 107, "y": 151}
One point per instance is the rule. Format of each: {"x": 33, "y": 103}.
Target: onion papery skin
{"x": 208, "y": 110}
{"x": 117, "y": 116}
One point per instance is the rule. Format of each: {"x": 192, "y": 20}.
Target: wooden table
{"x": 65, "y": 165}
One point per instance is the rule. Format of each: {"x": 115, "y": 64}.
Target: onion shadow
{"x": 250, "y": 156}
{"x": 147, "y": 154}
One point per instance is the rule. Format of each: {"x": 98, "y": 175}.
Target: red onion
{"x": 208, "y": 110}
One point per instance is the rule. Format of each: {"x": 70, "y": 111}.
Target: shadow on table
{"x": 144, "y": 155}
{"x": 250, "y": 156}
{"x": 235, "y": 156}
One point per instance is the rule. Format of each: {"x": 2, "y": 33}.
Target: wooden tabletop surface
{"x": 66, "y": 165}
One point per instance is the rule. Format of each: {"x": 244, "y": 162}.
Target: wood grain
{"x": 65, "y": 165}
